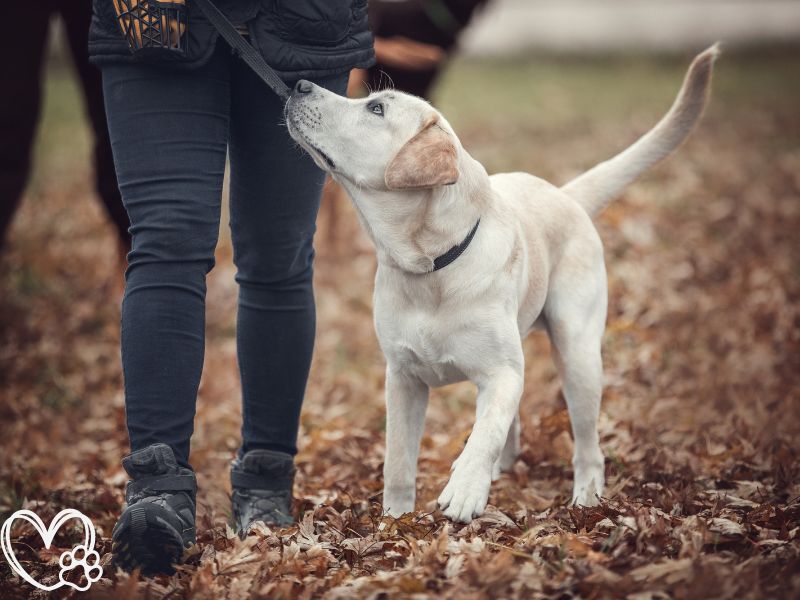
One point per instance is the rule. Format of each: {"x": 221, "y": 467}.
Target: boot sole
{"x": 146, "y": 541}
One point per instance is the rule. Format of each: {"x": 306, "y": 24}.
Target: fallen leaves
{"x": 700, "y": 424}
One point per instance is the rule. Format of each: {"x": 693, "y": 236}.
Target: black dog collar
{"x": 440, "y": 262}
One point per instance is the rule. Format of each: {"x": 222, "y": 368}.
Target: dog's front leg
{"x": 406, "y": 402}
{"x": 467, "y": 492}
{"x": 510, "y": 450}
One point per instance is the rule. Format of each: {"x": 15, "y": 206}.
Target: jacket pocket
{"x": 313, "y": 22}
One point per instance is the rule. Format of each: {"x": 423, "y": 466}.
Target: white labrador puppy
{"x": 519, "y": 254}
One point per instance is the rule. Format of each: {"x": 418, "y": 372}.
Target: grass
{"x": 510, "y": 113}
{"x": 499, "y": 98}
{"x": 64, "y": 140}
{"x": 547, "y": 91}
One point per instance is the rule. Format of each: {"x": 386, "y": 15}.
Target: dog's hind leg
{"x": 510, "y": 451}
{"x": 575, "y": 322}
{"x": 406, "y": 403}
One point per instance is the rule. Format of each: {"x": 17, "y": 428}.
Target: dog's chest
{"x": 422, "y": 343}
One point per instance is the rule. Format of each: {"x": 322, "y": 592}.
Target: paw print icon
{"x": 80, "y": 558}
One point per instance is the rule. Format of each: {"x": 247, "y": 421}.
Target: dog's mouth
{"x": 295, "y": 130}
{"x": 328, "y": 160}
{"x": 312, "y": 149}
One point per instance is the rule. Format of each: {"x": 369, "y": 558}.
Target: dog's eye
{"x": 376, "y": 108}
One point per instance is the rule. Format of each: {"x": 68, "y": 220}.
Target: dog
{"x": 468, "y": 264}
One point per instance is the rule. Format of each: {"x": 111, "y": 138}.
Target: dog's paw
{"x": 465, "y": 495}
{"x": 454, "y": 466}
{"x": 80, "y": 557}
{"x": 588, "y": 487}
{"x": 398, "y": 501}
{"x": 586, "y": 497}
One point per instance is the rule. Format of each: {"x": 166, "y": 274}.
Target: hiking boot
{"x": 158, "y": 522}
{"x": 262, "y": 489}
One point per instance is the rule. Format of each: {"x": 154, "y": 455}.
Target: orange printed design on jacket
{"x": 152, "y": 24}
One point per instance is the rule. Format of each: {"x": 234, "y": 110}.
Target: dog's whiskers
{"x": 389, "y": 85}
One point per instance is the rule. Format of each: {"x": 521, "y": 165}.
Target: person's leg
{"x": 169, "y": 133}
{"x": 77, "y": 15}
{"x": 23, "y": 46}
{"x": 275, "y": 192}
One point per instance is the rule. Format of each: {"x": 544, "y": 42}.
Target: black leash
{"x": 440, "y": 262}
{"x": 243, "y": 49}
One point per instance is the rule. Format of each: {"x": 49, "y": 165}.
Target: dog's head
{"x": 387, "y": 141}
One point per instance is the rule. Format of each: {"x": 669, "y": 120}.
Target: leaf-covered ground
{"x": 700, "y": 416}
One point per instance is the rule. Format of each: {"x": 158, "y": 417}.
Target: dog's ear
{"x": 427, "y": 160}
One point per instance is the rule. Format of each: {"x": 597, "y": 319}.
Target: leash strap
{"x": 243, "y": 49}
{"x": 440, "y": 262}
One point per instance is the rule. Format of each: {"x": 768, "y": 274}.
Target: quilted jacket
{"x": 298, "y": 38}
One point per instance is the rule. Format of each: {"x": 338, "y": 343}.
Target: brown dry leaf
{"x": 668, "y": 572}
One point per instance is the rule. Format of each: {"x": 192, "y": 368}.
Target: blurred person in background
{"x": 24, "y": 45}
{"x": 413, "y": 38}
{"x": 175, "y": 113}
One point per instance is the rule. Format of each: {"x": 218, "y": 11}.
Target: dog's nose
{"x": 303, "y": 87}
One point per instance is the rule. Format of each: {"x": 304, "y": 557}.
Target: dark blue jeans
{"x": 170, "y": 133}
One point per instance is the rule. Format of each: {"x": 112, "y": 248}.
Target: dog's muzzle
{"x": 303, "y": 118}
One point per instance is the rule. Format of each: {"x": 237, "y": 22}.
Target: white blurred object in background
{"x": 578, "y": 26}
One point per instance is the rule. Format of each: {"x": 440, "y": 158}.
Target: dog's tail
{"x": 598, "y": 186}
